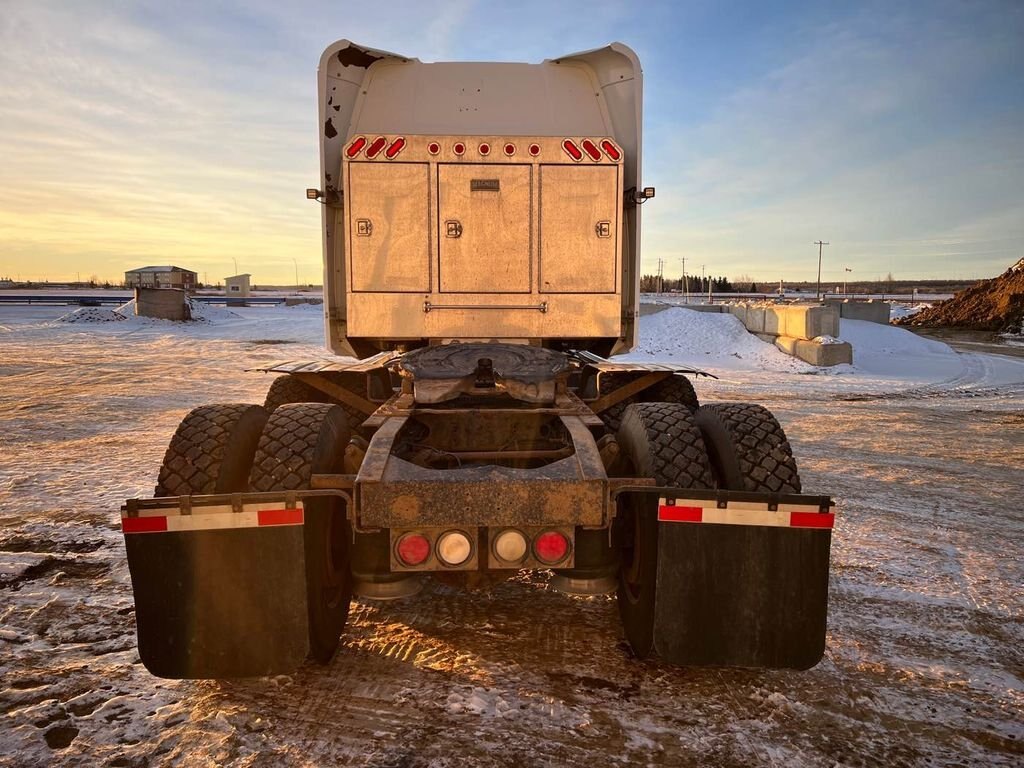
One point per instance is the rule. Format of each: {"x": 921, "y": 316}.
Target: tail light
{"x": 572, "y": 150}
{"x": 433, "y": 147}
{"x": 374, "y": 149}
{"x": 510, "y": 546}
{"x": 396, "y": 146}
{"x": 485, "y": 149}
{"x": 591, "y": 149}
{"x": 551, "y": 547}
{"x": 413, "y": 549}
{"x": 611, "y": 150}
{"x": 355, "y": 147}
{"x": 454, "y": 548}
{"x": 510, "y": 149}
{"x": 534, "y": 150}
{"x": 459, "y": 148}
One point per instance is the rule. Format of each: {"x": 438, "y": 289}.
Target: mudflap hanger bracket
{"x": 220, "y": 581}
{"x": 742, "y": 578}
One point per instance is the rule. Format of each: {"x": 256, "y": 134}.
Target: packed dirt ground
{"x": 990, "y": 305}
{"x": 925, "y": 657}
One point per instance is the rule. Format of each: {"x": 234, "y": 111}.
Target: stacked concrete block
{"x": 872, "y": 311}
{"x": 807, "y": 332}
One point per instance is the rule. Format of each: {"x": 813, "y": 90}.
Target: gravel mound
{"x": 996, "y": 304}
{"x": 92, "y": 315}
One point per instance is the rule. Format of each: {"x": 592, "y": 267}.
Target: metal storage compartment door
{"x": 484, "y": 228}
{"x": 579, "y": 228}
{"x": 388, "y": 223}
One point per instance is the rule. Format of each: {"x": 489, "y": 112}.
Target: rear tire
{"x": 211, "y": 451}
{"x": 288, "y": 389}
{"x": 675, "y": 389}
{"x": 748, "y": 448}
{"x": 300, "y": 440}
{"x": 661, "y": 441}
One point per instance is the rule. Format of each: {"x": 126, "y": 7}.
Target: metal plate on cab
{"x": 484, "y": 185}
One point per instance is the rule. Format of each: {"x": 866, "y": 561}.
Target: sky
{"x": 136, "y": 133}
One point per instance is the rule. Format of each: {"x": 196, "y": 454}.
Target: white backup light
{"x": 510, "y": 546}
{"x": 454, "y": 548}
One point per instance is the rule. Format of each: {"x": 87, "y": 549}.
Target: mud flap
{"x": 743, "y": 596}
{"x": 220, "y": 603}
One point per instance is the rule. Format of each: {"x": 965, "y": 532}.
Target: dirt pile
{"x": 996, "y": 304}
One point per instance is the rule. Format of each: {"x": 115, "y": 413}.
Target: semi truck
{"x": 481, "y": 247}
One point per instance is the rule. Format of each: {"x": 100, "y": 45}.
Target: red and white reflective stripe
{"x": 211, "y": 518}
{"x": 744, "y": 513}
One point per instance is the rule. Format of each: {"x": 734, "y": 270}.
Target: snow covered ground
{"x": 922, "y": 447}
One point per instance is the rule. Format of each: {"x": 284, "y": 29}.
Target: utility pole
{"x": 661, "y": 265}
{"x": 235, "y": 262}
{"x": 685, "y": 282}
{"x": 847, "y": 269}
{"x": 701, "y": 278}
{"x": 296, "y": 274}
{"x": 819, "y": 244}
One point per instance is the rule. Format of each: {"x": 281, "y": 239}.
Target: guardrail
{"x": 117, "y": 300}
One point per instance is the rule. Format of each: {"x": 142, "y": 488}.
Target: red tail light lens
{"x": 485, "y": 149}
{"x": 611, "y": 150}
{"x": 374, "y": 149}
{"x": 459, "y": 148}
{"x": 510, "y": 149}
{"x": 572, "y": 150}
{"x": 355, "y": 147}
{"x": 413, "y": 549}
{"x": 591, "y": 149}
{"x": 534, "y": 150}
{"x": 396, "y": 146}
{"x": 551, "y": 547}
{"x": 433, "y": 147}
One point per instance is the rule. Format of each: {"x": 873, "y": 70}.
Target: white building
{"x": 237, "y": 285}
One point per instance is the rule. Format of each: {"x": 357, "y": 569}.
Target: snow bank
{"x": 200, "y": 311}
{"x": 896, "y": 352}
{"x": 703, "y": 339}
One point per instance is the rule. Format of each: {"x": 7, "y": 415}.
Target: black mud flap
{"x": 742, "y": 596}
{"x": 220, "y": 603}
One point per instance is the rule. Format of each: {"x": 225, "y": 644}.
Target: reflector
{"x": 535, "y": 149}
{"x": 510, "y": 149}
{"x": 485, "y": 149}
{"x": 459, "y": 148}
{"x": 433, "y": 147}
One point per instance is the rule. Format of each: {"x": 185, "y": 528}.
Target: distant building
{"x": 161, "y": 277}
{"x": 237, "y": 285}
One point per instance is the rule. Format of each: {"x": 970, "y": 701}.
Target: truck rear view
{"x": 481, "y": 236}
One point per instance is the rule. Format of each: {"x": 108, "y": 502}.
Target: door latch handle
{"x": 364, "y": 227}
{"x": 453, "y": 229}
{"x": 603, "y": 229}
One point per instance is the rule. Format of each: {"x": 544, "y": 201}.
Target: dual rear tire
{"x": 236, "y": 448}
{"x": 733, "y": 446}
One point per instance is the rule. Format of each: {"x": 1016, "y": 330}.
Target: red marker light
{"x": 591, "y": 149}
{"x": 396, "y": 146}
{"x": 459, "y": 148}
{"x": 510, "y": 149}
{"x": 551, "y": 547}
{"x": 374, "y": 149}
{"x": 355, "y": 147}
{"x": 433, "y": 147}
{"x": 572, "y": 150}
{"x": 413, "y": 549}
{"x": 611, "y": 150}
{"x": 534, "y": 150}
{"x": 485, "y": 149}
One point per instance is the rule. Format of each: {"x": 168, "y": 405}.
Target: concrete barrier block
{"x": 803, "y": 322}
{"x": 871, "y": 311}
{"x": 755, "y": 319}
{"x": 787, "y": 344}
{"x": 704, "y": 307}
{"x": 162, "y": 303}
{"x": 816, "y": 353}
{"x": 739, "y": 311}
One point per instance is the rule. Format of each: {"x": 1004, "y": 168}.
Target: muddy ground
{"x": 925, "y": 659}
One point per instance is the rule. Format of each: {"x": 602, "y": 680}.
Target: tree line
{"x": 695, "y": 284}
